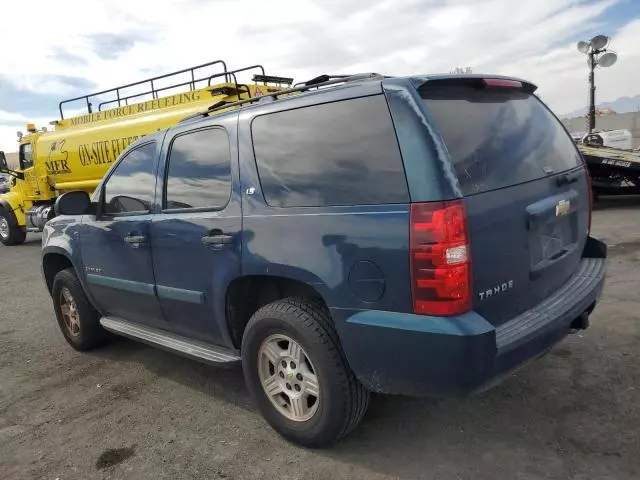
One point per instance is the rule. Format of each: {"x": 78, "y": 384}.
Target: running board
{"x": 170, "y": 341}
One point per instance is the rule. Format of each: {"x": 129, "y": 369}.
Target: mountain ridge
{"x": 620, "y": 105}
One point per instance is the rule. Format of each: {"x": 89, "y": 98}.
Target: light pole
{"x": 597, "y": 55}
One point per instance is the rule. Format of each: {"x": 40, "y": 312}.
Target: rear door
{"x": 196, "y": 237}
{"x": 525, "y": 188}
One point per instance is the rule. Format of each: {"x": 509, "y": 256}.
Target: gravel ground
{"x": 128, "y": 411}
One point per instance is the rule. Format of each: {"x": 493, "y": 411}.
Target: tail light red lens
{"x": 440, "y": 259}
{"x": 590, "y": 188}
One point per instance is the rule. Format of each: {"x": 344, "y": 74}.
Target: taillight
{"x": 589, "y": 188}
{"x": 440, "y": 259}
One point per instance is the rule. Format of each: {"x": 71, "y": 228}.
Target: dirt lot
{"x": 133, "y": 412}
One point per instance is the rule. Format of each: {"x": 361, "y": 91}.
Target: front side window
{"x": 130, "y": 187}
{"x": 341, "y": 153}
{"x": 199, "y": 171}
{"x": 26, "y": 156}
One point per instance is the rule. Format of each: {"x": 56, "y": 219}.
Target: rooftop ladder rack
{"x": 153, "y": 91}
{"x": 227, "y": 74}
{"x": 316, "y": 83}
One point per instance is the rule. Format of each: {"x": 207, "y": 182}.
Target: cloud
{"x": 113, "y": 42}
{"x": 10, "y": 118}
{"x": 109, "y": 46}
{"x": 60, "y": 55}
{"x": 8, "y": 138}
{"x": 38, "y": 95}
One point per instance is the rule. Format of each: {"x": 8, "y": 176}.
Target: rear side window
{"x": 499, "y": 137}
{"x": 199, "y": 174}
{"x": 342, "y": 153}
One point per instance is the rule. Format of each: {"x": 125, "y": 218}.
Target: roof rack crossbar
{"x": 274, "y": 95}
{"x": 86, "y": 98}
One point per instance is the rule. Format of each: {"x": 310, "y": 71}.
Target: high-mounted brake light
{"x": 500, "y": 82}
{"x": 440, "y": 259}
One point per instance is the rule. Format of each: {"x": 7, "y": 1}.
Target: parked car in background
{"x": 415, "y": 236}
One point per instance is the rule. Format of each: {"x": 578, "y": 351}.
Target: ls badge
{"x": 563, "y": 207}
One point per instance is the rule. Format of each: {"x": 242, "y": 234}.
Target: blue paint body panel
{"x": 424, "y": 153}
{"x": 356, "y": 257}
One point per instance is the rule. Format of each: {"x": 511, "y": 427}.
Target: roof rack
{"x": 227, "y": 74}
{"x": 154, "y": 91}
{"x": 272, "y": 79}
{"x": 271, "y": 96}
{"x": 321, "y": 79}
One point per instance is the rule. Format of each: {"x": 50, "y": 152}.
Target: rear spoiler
{"x": 477, "y": 81}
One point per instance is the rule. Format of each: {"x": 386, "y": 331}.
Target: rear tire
{"x": 78, "y": 320}
{"x": 341, "y": 400}
{"x": 10, "y": 232}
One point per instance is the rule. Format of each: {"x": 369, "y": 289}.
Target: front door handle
{"x": 217, "y": 239}
{"x": 134, "y": 240}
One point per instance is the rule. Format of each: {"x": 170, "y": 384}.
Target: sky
{"x": 55, "y": 50}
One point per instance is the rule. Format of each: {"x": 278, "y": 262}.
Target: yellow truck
{"x": 81, "y": 148}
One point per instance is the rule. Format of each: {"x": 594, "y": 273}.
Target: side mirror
{"x": 72, "y": 203}
{"x": 3, "y": 162}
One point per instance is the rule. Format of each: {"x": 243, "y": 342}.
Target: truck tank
{"x": 77, "y": 154}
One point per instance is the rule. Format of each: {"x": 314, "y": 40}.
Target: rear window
{"x": 499, "y": 137}
{"x": 342, "y": 153}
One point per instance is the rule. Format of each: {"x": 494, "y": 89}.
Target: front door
{"x": 30, "y": 186}
{"x": 116, "y": 247}
{"x": 195, "y": 238}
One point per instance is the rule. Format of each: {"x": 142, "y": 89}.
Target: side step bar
{"x": 169, "y": 341}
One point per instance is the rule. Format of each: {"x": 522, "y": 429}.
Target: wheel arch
{"x": 53, "y": 261}
{"x": 11, "y": 202}
{"x": 247, "y": 294}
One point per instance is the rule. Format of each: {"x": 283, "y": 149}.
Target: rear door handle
{"x": 217, "y": 239}
{"x": 568, "y": 178}
{"x": 132, "y": 239}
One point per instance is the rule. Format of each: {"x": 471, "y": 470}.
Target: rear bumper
{"x": 437, "y": 356}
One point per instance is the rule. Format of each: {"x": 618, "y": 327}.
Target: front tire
{"x": 10, "y": 232}
{"x": 78, "y": 320}
{"x": 298, "y": 375}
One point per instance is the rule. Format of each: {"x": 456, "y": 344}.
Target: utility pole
{"x": 591, "y": 117}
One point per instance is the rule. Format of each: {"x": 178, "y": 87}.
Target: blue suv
{"x": 417, "y": 236}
